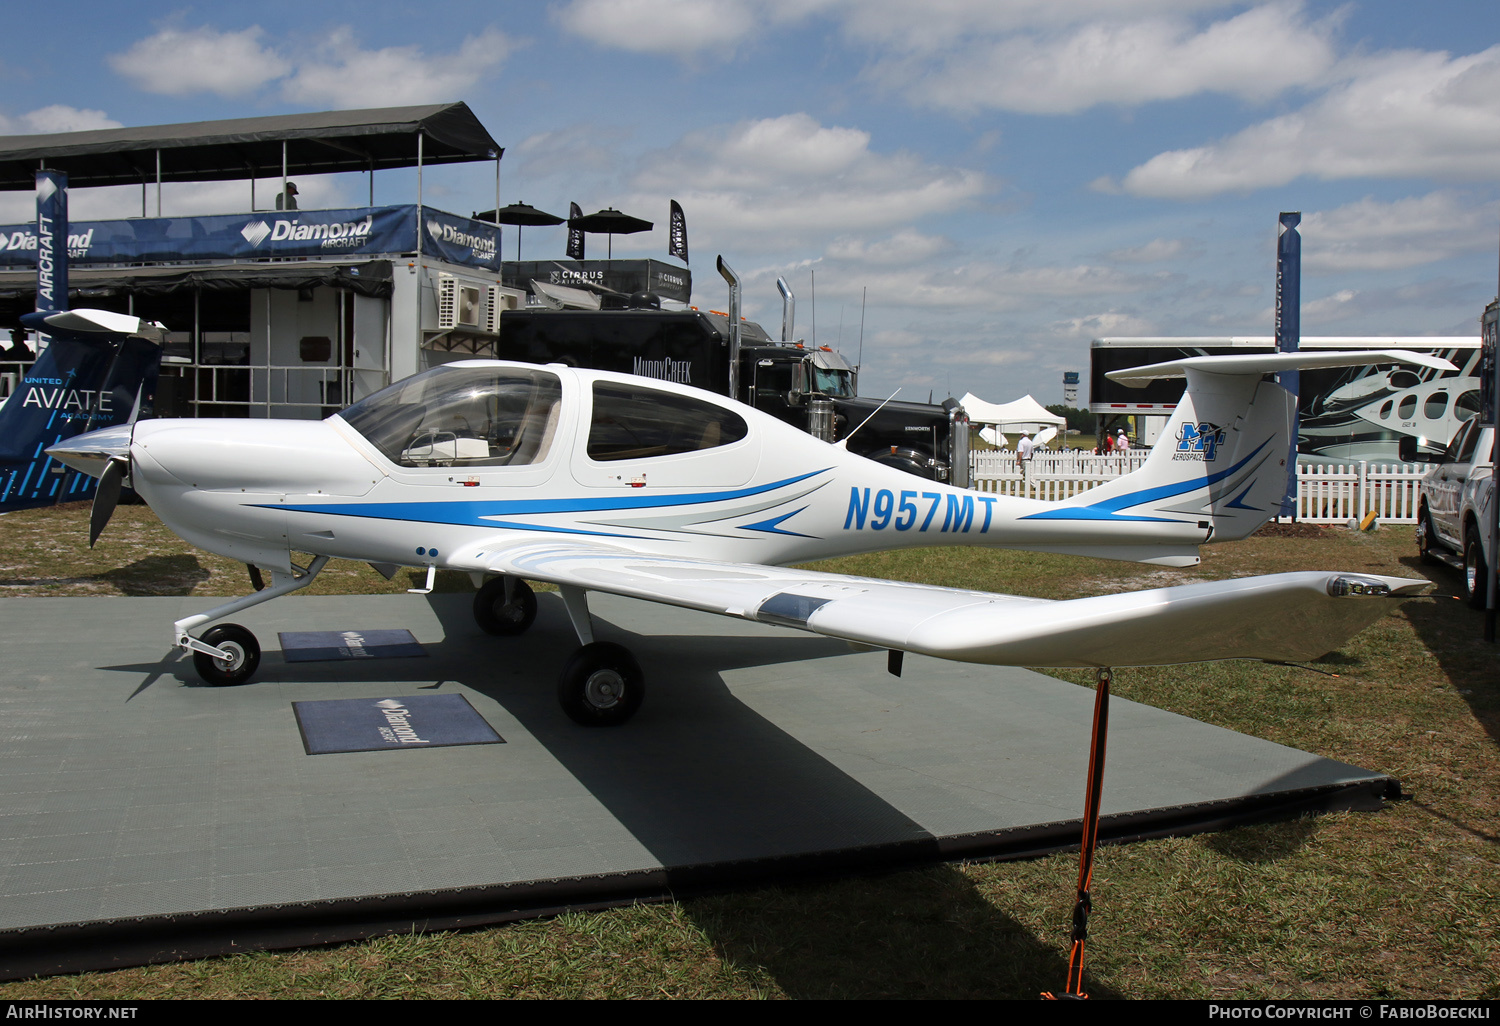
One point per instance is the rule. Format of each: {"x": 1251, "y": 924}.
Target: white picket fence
{"x": 1049, "y": 476}
{"x": 1338, "y": 494}
{"x": 1325, "y": 494}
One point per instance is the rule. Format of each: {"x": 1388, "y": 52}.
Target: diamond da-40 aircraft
{"x": 596, "y": 481}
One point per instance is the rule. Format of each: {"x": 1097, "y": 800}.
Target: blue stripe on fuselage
{"x": 773, "y": 525}
{"x": 480, "y": 512}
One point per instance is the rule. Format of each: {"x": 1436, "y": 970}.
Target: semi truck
{"x": 810, "y": 387}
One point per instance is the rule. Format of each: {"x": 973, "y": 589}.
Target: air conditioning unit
{"x": 464, "y": 304}
{"x": 460, "y": 304}
{"x": 497, "y": 302}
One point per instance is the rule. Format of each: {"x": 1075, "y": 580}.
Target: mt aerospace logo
{"x": 1198, "y": 442}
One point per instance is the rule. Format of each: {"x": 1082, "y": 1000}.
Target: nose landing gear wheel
{"x": 244, "y": 651}
{"x": 601, "y": 686}
{"x": 497, "y": 616}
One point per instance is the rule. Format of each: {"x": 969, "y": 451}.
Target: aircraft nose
{"x": 90, "y": 452}
{"x": 278, "y": 456}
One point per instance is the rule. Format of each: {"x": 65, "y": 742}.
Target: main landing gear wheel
{"x": 1476, "y": 574}
{"x": 602, "y": 685}
{"x": 244, "y": 651}
{"x": 1426, "y": 538}
{"x": 497, "y": 616}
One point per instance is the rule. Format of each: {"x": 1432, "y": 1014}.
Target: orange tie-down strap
{"x": 1091, "y": 800}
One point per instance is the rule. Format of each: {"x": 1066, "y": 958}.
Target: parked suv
{"x": 1455, "y": 505}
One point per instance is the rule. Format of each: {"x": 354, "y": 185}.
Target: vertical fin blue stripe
{"x": 1109, "y": 508}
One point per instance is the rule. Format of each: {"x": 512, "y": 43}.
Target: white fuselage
{"x": 257, "y": 490}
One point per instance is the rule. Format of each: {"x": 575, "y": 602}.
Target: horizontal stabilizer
{"x": 86, "y": 322}
{"x": 1271, "y": 363}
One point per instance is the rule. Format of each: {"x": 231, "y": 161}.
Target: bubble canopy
{"x": 458, "y": 416}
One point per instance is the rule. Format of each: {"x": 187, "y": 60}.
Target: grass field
{"x": 1400, "y": 903}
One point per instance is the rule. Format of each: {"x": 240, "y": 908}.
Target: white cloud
{"x": 1372, "y": 235}
{"x": 181, "y": 62}
{"x": 904, "y": 247}
{"x": 1399, "y": 114}
{"x": 792, "y": 181}
{"x": 1409, "y": 310}
{"x": 694, "y": 30}
{"x": 794, "y": 144}
{"x": 682, "y": 28}
{"x": 329, "y": 71}
{"x": 1329, "y": 308}
{"x": 982, "y": 286}
{"x": 1254, "y": 55}
{"x": 56, "y": 118}
{"x": 1026, "y": 55}
{"x": 339, "y": 73}
{"x": 1104, "y": 325}
{"x": 1152, "y": 252}
{"x": 941, "y": 25}
{"x": 567, "y": 151}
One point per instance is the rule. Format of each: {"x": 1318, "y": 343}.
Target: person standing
{"x": 1024, "y": 449}
{"x": 1122, "y": 443}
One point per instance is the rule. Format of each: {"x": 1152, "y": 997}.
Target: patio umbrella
{"x": 609, "y": 222}
{"x": 518, "y": 214}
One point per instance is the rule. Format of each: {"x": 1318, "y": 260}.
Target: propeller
{"x": 107, "y": 496}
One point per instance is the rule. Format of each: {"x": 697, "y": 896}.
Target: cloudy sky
{"x": 1003, "y": 179}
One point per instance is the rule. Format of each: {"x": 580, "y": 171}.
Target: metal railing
{"x": 271, "y": 390}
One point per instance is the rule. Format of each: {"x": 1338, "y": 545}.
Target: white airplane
{"x": 597, "y": 481}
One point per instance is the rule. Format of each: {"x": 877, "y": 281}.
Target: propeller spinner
{"x": 104, "y": 454}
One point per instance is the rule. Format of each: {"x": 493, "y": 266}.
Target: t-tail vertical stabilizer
{"x": 1221, "y": 463}
{"x": 99, "y": 370}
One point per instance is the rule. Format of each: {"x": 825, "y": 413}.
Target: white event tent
{"x": 1024, "y": 414}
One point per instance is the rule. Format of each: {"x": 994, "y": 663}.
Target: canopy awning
{"x": 318, "y": 143}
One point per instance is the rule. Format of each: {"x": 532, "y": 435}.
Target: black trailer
{"x": 811, "y": 388}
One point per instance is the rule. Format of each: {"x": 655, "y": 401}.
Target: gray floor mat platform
{"x": 143, "y": 814}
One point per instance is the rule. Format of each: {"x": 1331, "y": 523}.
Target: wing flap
{"x": 1278, "y": 617}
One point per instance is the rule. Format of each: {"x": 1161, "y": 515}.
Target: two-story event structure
{"x": 273, "y": 312}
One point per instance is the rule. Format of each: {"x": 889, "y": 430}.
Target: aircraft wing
{"x": 1292, "y": 616}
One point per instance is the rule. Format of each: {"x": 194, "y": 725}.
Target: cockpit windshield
{"x": 457, "y": 416}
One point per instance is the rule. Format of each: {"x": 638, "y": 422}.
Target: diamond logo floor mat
{"x": 320, "y": 646}
{"x": 391, "y": 724}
